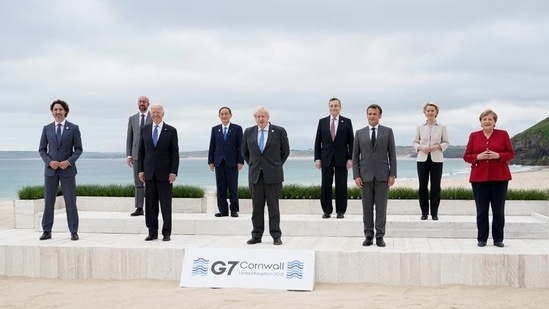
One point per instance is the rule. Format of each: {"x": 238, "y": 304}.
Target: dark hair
{"x": 63, "y": 104}
{"x": 335, "y": 99}
{"x": 225, "y": 107}
{"x": 375, "y": 106}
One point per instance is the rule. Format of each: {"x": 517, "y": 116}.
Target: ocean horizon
{"x": 20, "y": 172}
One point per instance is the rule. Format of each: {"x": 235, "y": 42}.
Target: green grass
{"x": 291, "y": 191}
{"x": 37, "y": 192}
{"x": 458, "y": 193}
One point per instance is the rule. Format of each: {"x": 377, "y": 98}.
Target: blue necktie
{"x": 373, "y": 136}
{"x": 155, "y": 135}
{"x": 225, "y": 133}
{"x": 58, "y": 134}
{"x": 262, "y": 140}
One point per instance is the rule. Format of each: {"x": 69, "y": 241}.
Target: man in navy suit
{"x": 158, "y": 166}
{"x": 225, "y": 158}
{"x": 135, "y": 123}
{"x": 333, "y": 155}
{"x": 60, "y": 147}
{"x": 265, "y": 148}
{"x": 374, "y": 171}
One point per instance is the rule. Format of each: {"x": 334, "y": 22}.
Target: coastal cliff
{"x": 532, "y": 145}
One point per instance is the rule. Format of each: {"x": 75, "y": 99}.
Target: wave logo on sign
{"x": 200, "y": 267}
{"x": 295, "y": 270}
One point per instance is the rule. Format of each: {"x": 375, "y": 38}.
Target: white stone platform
{"x": 426, "y": 253}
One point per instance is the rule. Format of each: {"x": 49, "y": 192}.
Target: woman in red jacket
{"x": 488, "y": 151}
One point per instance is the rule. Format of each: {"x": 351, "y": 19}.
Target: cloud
{"x": 291, "y": 56}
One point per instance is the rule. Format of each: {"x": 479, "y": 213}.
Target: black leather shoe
{"x": 340, "y": 216}
{"x": 380, "y": 242}
{"x": 234, "y": 214}
{"x": 253, "y": 241}
{"x": 277, "y": 242}
{"x": 222, "y": 214}
{"x": 151, "y": 237}
{"x": 499, "y": 244}
{"x": 45, "y": 235}
{"x": 481, "y": 244}
{"x": 74, "y": 236}
{"x": 423, "y": 217}
{"x": 166, "y": 238}
{"x": 435, "y": 218}
{"x": 368, "y": 242}
{"x": 326, "y": 216}
{"x": 137, "y": 212}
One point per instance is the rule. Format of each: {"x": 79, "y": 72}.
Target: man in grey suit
{"x": 374, "y": 171}
{"x": 265, "y": 148}
{"x": 135, "y": 123}
{"x": 60, "y": 147}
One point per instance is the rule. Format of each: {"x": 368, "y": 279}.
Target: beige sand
{"x": 51, "y": 293}
{"x": 537, "y": 178}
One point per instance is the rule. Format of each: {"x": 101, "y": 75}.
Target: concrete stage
{"x": 418, "y": 253}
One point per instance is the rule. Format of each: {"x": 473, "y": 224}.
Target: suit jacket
{"x": 70, "y": 148}
{"x": 341, "y": 148}
{"x": 438, "y": 136}
{"x": 132, "y": 138}
{"x": 378, "y": 161}
{"x": 229, "y": 149}
{"x": 489, "y": 170}
{"x": 275, "y": 153}
{"x": 161, "y": 160}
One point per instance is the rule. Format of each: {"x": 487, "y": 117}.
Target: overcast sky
{"x": 290, "y": 56}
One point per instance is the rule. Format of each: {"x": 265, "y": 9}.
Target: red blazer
{"x": 489, "y": 170}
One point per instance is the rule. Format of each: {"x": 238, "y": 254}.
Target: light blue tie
{"x": 58, "y": 134}
{"x": 155, "y": 135}
{"x": 262, "y": 140}
{"x": 225, "y": 133}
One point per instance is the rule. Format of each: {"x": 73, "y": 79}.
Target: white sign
{"x": 248, "y": 268}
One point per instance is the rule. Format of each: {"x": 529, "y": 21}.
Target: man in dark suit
{"x": 333, "y": 152}
{"x": 374, "y": 171}
{"x": 60, "y": 147}
{"x": 265, "y": 148}
{"x": 158, "y": 166}
{"x": 135, "y": 123}
{"x": 225, "y": 158}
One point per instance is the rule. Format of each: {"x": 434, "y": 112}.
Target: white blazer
{"x": 431, "y": 136}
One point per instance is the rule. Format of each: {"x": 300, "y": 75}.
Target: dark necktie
{"x": 58, "y": 134}
{"x": 262, "y": 140}
{"x": 142, "y": 123}
{"x": 155, "y": 135}
{"x": 333, "y": 129}
{"x": 373, "y": 136}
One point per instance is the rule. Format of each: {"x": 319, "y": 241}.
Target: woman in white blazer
{"x": 430, "y": 140}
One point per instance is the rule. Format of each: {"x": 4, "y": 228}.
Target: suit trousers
{"x": 139, "y": 187}
{"x": 226, "y": 178}
{"x": 341, "y": 175}
{"x": 262, "y": 192}
{"x": 155, "y": 192}
{"x": 486, "y": 194}
{"x": 374, "y": 193}
{"x": 68, "y": 186}
{"x": 425, "y": 171}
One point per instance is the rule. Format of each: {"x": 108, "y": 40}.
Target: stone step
{"x": 408, "y": 226}
{"x": 307, "y": 206}
{"x": 522, "y": 263}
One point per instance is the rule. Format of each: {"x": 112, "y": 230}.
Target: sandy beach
{"x": 535, "y": 178}
{"x": 16, "y": 292}
{"x": 136, "y": 294}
